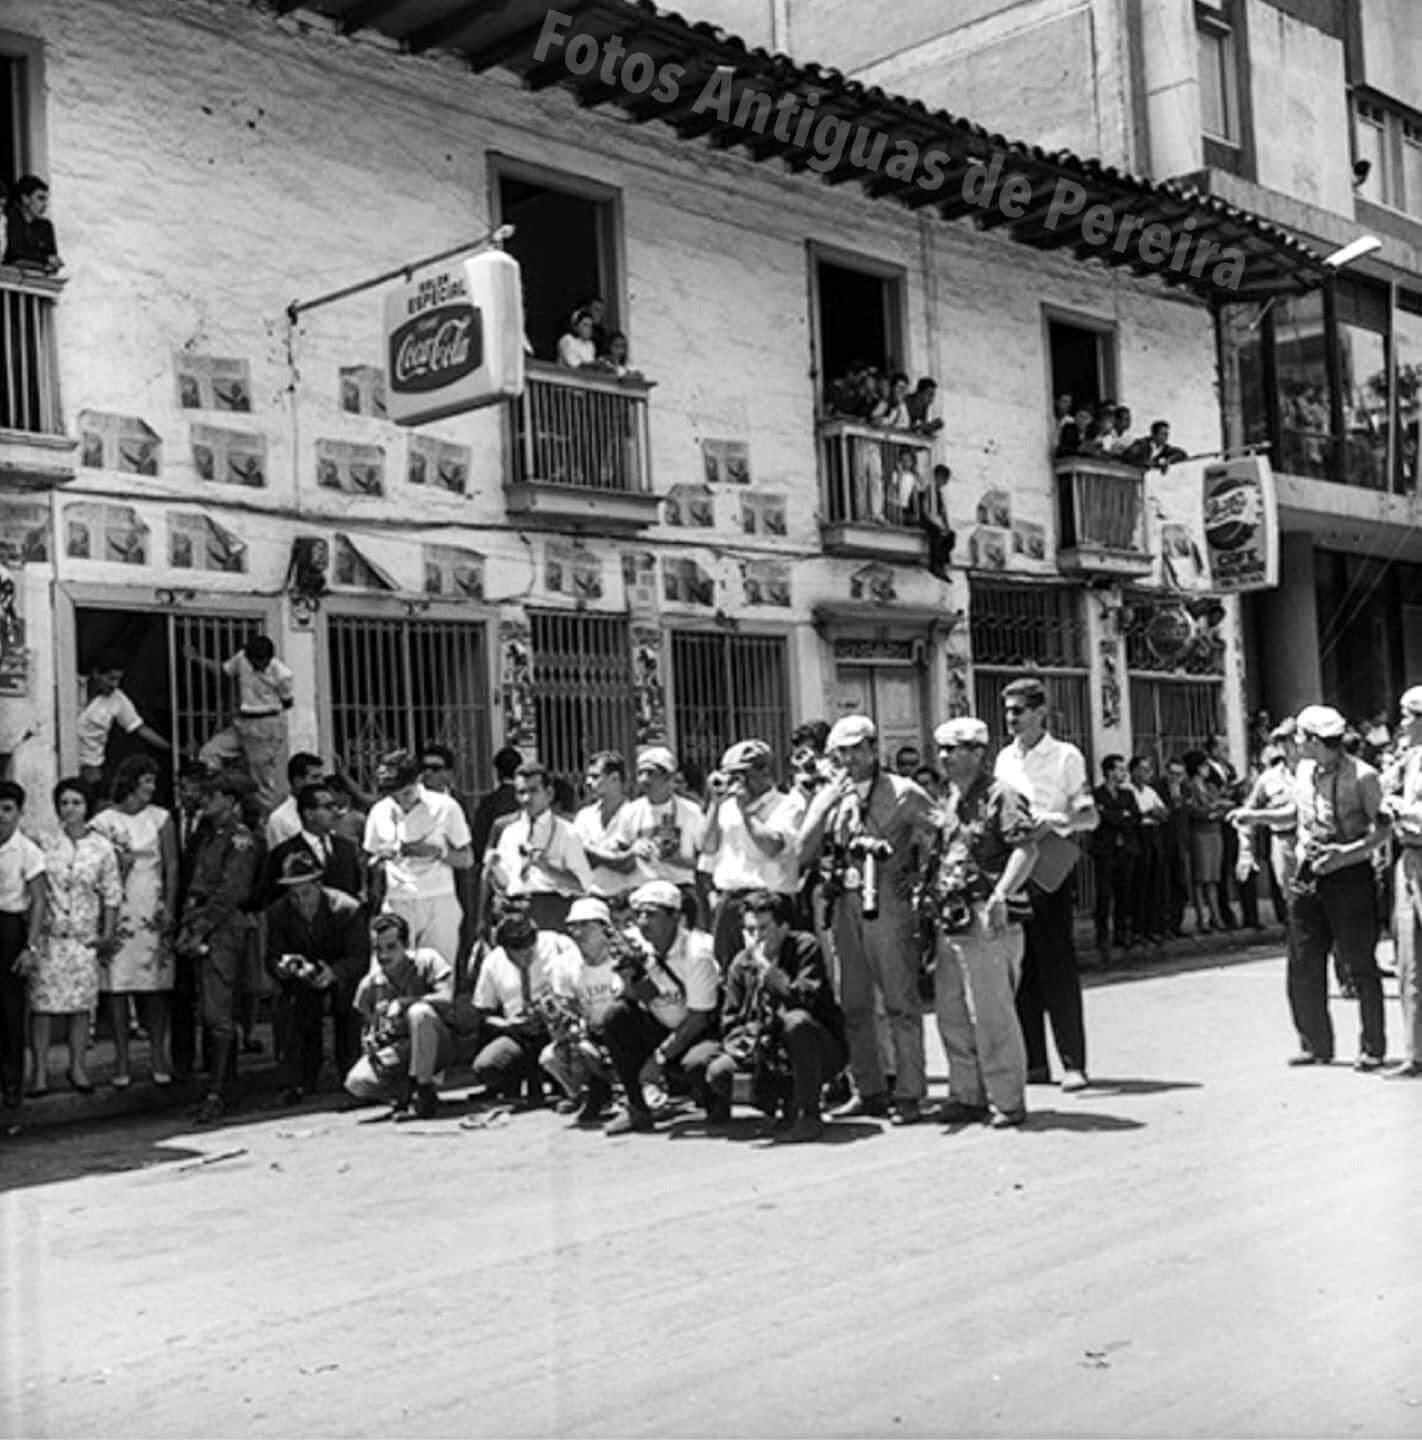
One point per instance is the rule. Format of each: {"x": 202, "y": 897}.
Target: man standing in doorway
{"x": 1051, "y": 774}
{"x": 109, "y": 707}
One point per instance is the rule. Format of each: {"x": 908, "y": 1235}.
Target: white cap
{"x": 962, "y": 730}
{"x": 850, "y": 731}
{"x": 657, "y": 757}
{"x": 1411, "y": 701}
{"x": 661, "y": 894}
{"x": 1321, "y": 721}
{"x": 586, "y": 908}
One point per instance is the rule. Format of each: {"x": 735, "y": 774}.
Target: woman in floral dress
{"x": 141, "y": 964}
{"x": 84, "y": 893}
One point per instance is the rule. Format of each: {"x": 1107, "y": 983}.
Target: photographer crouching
{"x": 973, "y": 892}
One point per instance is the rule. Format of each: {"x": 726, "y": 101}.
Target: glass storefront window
{"x": 1362, "y": 369}
{"x": 1407, "y": 337}
{"x": 1301, "y": 365}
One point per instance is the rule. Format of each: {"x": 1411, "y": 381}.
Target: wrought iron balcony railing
{"x": 29, "y": 355}
{"x": 874, "y": 484}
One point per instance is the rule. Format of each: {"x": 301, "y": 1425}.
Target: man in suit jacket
{"x": 317, "y": 946}
{"x": 341, "y": 865}
{"x": 1156, "y": 452}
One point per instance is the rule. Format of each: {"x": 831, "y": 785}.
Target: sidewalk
{"x": 258, "y": 1077}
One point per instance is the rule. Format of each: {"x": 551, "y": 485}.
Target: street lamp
{"x": 1335, "y": 261}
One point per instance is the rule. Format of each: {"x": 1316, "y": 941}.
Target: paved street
{"x": 1205, "y": 1243}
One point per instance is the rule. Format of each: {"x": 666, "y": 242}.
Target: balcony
{"x": 871, "y": 481}
{"x": 35, "y": 453}
{"x": 1101, "y": 526}
{"x": 580, "y": 453}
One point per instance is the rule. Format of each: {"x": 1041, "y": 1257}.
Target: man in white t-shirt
{"x": 525, "y": 979}
{"x": 419, "y": 838}
{"x": 22, "y": 914}
{"x": 600, "y": 825}
{"x": 536, "y": 860}
{"x": 662, "y": 828}
{"x": 109, "y": 707}
{"x": 284, "y": 823}
{"x": 264, "y": 695}
{"x": 668, "y": 1010}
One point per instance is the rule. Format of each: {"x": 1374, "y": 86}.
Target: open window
{"x": 566, "y": 243}
{"x": 1083, "y": 360}
{"x": 858, "y": 315}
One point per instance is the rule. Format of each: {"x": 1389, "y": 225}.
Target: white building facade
{"x": 689, "y": 555}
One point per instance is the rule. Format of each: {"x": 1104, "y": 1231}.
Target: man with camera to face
{"x": 876, "y": 827}
{"x": 750, "y": 839}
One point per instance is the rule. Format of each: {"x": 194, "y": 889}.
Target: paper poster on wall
{"x": 767, "y": 582}
{"x": 440, "y": 463}
{"x": 995, "y": 509}
{"x": 15, "y": 662}
{"x": 1180, "y": 550}
{"x": 685, "y": 581}
{"x": 210, "y": 382}
{"x": 763, "y": 514}
{"x": 651, "y": 696}
{"x": 196, "y": 542}
{"x": 363, "y": 390}
{"x": 352, "y": 566}
{"x": 639, "y": 582}
{"x": 989, "y": 548}
{"x": 354, "y": 468}
{"x": 727, "y": 462}
{"x": 516, "y": 683}
{"x": 230, "y": 457}
{"x": 450, "y": 570}
{"x": 572, "y": 569}
{"x": 118, "y": 442}
{"x": 691, "y": 506}
{"x": 95, "y": 531}
{"x": 24, "y": 532}
{"x": 1029, "y": 539}
{"x": 873, "y": 582}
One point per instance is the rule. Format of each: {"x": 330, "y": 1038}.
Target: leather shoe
{"x": 805, "y": 1128}
{"x": 1408, "y": 1070}
{"x": 632, "y": 1122}
{"x": 955, "y": 1112}
{"x": 1305, "y": 1058}
{"x": 1368, "y": 1063}
{"x": 1074, "y": 1080}
{"x": 1008, "y": 1119}
{"x": 906, "y": 1112}
{"x": 875, "y": 1105}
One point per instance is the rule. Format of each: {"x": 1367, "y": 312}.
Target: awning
{"x": 710, "y": 85}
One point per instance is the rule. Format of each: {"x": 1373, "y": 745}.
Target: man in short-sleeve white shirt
{"x": 662, "y": 828}
{"x": 109, "y": 707}
{"x": 1051, "y": 774}
{"x": 22, "y": 909}
{"x": 537, "y": 858}
{"x": 668, "y": 1010}
{"x": 420, "y": 838}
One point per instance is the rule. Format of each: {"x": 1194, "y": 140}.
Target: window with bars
{"x": 404, "y": 683}
{"x": 1170, "y": 716}
{"x": 585, "y": 694}
{"x": 727, "y": 688}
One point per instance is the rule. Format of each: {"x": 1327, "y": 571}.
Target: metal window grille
{"x": 1027, "y": 627}
{"x": 728, "y": 688}
{"x": 204, "y": 701}
{"x": 584, "y": 689}
{"x": 29, "y": 358}
{"x": 1170, "y": 715}
{"x": 404, "y": 683}
{"x": 1200, "y": 653}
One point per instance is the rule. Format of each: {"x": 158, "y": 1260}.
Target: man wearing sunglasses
{"x": 1051, "y": 774}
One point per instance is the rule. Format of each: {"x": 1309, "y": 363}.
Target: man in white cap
{"x": 668, "y": 1009}
{"x": 750, "y": 839}
{"x": 877, "y": 828}
{"x": 661, "y": 829}
{"x": 1335, "y": 899}
{"x": 985, "y": 852}
{"x": 1404, "y": 804}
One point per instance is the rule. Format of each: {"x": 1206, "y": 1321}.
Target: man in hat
{"x": 1404, "y": 804}
{"x": 878, "y": 828}
{"x": 213, "y": 928}
{"x": 985, "y": 852}
{"x": 750, "y": 839}
{"x": 668, "y": 1008}
{"x": 536, "y": 859}
{"x": 1340, "y": 825}
{"x": 420, "y": 838}
{"x": 661, "y": 828}
{"x": 1051, "y": 775}
{"x": 526, "y": 980}
{"x": 317, "y": 948}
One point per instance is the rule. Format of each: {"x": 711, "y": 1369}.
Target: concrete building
{"x": 701, "y": 550}
{"x": 1309, "y": 113}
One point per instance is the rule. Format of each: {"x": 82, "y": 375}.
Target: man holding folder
{"x": 1051, "y": 774}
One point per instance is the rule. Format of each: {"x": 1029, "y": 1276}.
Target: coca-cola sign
{"x": 454, "y": 339}
{"x": 436, "y": 349}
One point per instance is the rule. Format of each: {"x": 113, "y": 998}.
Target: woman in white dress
{"x": 141, "y": 963}
{"x": 83, "y": 892}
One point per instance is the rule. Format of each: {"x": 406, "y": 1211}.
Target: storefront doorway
{"x": 892, "y": 696}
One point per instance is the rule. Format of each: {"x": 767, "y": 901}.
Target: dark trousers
{"x": 632, "y": 1034}
{"x": 814, "y": 1056}
{"x": 297, "y": 1019}
{"x": 14, "y": 1002}
{"x": 1050, "y": 984}
{"x": 185, "y": 1014}
{"x": 1340, "y": 914}
{"x": 1115, "y": 905}
{"x": 508, "y": 1061}
{"x": 1177, "y": 879}
{"x": 1148, "y": 896}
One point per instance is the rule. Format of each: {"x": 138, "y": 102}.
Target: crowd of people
{"x": 1106, "y": 430}
{"x": 764, "y": 945}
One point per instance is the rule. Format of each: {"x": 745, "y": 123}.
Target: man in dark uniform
{"x": 317, "y": 947}
{"x": 214, "y": 924}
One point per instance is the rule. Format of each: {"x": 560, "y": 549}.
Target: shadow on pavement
{"x": 750, "y": 1128}
{"x": 1100, "y": 1086}
{"x": 1151, "y": 966}
{"x": 1078, "y": 1120}
{"x": 32, "y": 1157}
